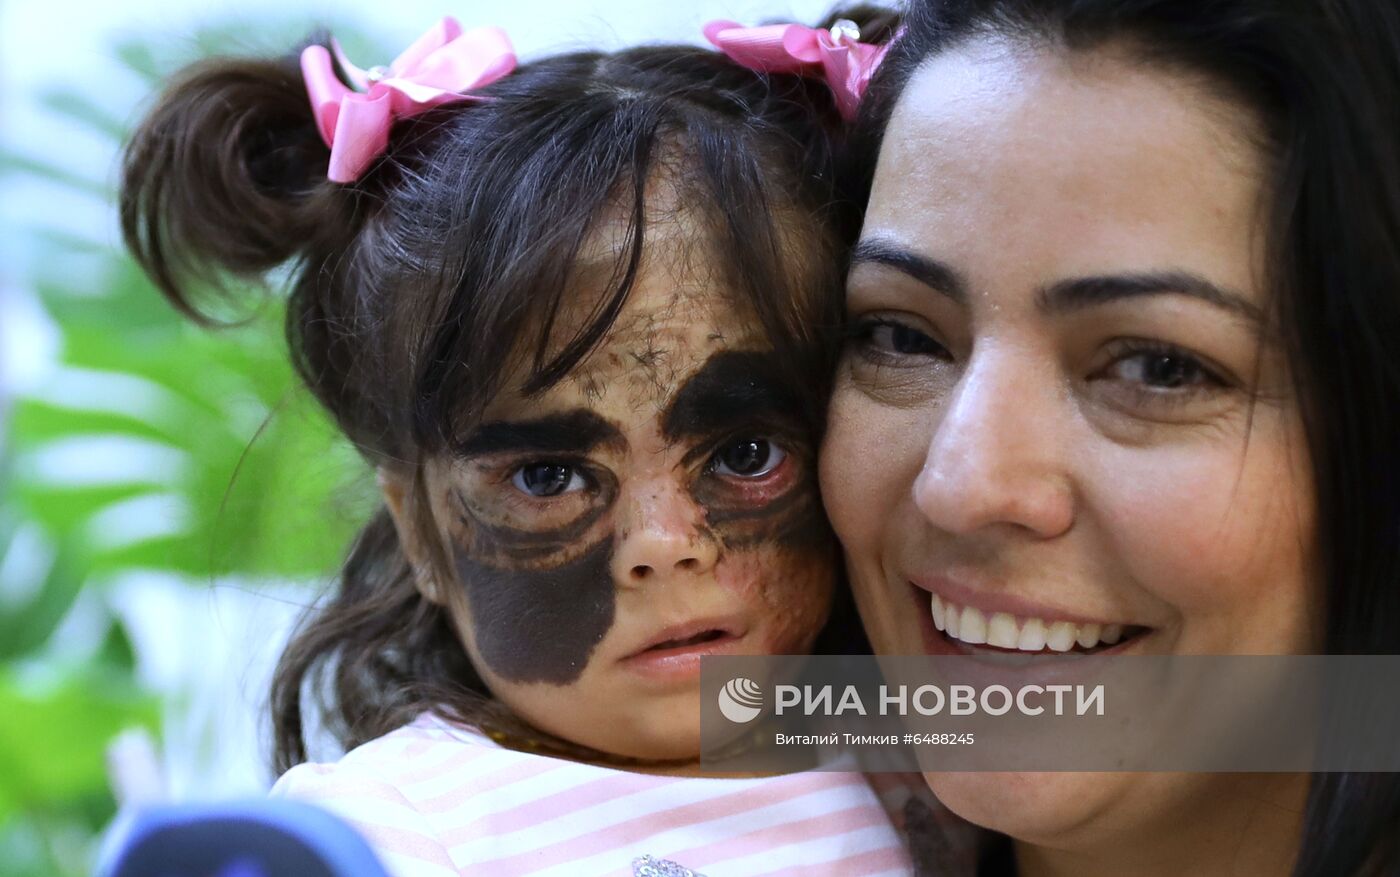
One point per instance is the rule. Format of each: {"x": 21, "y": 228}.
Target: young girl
{"x": 575, "y": 315}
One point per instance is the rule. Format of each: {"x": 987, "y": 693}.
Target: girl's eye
{"x": 1163, "y": 370}
{"x": 547, "y": 479}
{"x": 747, "y": 458}
{"x": 890, "y": 337}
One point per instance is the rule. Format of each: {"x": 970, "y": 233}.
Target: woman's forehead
{"x": 1088, "y": 166}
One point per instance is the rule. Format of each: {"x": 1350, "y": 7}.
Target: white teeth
{"x": 1088, "y": 635}
{"x": 1006, "y": 631}
{"x": 1001, "y": 631}
{"x": 1032, "y": 636}
{"x": 973, "y": 629}
{"x": 1060, "y": 636}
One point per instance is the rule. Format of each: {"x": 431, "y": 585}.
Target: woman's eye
{"x": 1162, "y": 370}
{"x": 747, "y": 458}
{"x": 547, "y": 479}
{"x": 888, "y": 336}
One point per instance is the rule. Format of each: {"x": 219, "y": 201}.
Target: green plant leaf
{"x": 79, "y": 715}
{"x": 253, "y": 479}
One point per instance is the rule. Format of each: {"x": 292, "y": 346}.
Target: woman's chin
{"x": 1046, "y": 807}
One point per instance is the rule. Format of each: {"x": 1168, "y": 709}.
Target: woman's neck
{"x": 1256, "y": 832}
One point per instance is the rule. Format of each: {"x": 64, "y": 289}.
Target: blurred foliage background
{"x": 169, "y": 498}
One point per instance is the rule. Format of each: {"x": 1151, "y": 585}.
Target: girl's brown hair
{"x": 412, "y": 288}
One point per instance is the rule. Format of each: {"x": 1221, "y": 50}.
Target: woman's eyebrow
{"x": 1085, "y": 292}
{"x": 932, "y": 273}
{"x": 1064, "y": 295}
{"x": 569, "y": 432}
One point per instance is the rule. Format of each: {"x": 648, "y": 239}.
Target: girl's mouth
{"x": 704, "y": 636}
{"x": 673, "y": 655}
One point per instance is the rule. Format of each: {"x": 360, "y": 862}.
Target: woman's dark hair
{"x": 1323, "y": 77}
{"x": 413, "y": 289}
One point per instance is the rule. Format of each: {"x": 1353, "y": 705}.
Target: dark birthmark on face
{"x": 503, "y": 545}
{"x": 744, "y": 394}
{"x": 573, "y": 432}
{"x": 535, "y": 621}
{"x": 732, "y": 389}
{"x": 535, "y": 618}
{"x": 540, "y": 625}
{"x": 538, "y": 620}
{"x": 795, "y": 519}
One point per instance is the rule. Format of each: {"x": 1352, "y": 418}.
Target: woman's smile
{"x": 968, "y": 625}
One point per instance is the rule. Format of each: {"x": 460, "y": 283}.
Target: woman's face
{"x": 1062, "y": 421}
{"x": 658, "y": 504}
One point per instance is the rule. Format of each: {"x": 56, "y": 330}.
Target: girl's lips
{"x": 677, "y": 635}
{"x": 681, "y": 662}
{"x": 674, "y": 652}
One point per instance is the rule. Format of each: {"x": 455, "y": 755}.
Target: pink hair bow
{"x": 437, "y": 69}
{"x": 837, "y": 55}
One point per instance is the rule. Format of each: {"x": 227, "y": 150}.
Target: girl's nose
{"x": 661, "y": 535}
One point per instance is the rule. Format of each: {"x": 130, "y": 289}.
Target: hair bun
{"x": 225, "y": 175}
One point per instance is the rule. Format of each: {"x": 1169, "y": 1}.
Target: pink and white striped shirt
{"x": 440, "y": 800}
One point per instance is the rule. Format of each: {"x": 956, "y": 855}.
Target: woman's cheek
{"x": 1161, "y": 511}
{"x": 869, "y": 460}
{"x": 1217, "y": 532}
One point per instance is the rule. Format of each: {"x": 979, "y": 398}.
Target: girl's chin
{"x": 652, "y": 744}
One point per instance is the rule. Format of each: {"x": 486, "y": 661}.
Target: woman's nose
{"x": 996, "y": 456}
{"x": 661, "y": 535}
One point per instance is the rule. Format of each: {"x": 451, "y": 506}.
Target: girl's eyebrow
{"x": 570, "y": 432}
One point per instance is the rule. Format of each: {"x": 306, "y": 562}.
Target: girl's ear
{"x": 402, "y": 500}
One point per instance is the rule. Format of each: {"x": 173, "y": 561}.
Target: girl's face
{"x": 657, "y": 505}
{"x": 1062, "y": 421}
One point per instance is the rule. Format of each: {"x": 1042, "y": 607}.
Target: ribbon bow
{"x": 836, "y": 55}
{"x": 437, "y": 69}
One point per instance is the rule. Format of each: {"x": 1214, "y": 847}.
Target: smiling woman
{"x": 1115, "y": 382}
{"x": 1089, "y": 395}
